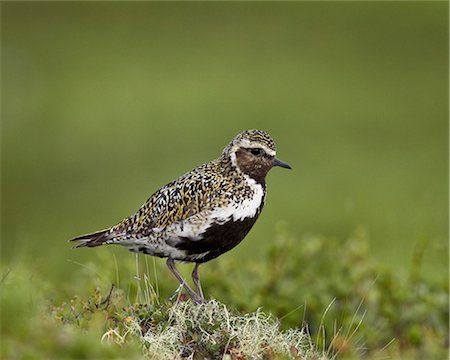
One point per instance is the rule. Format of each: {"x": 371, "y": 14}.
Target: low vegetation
{"x": 325, "y": 301}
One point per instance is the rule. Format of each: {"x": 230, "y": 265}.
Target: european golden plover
{"x": 202, "y": 214}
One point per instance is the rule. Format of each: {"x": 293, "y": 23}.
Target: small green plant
{"x": 352, "y": 307}
{"x": 33, "y": 328}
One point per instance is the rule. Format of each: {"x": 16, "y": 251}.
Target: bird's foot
{"x": 197, "y": 299}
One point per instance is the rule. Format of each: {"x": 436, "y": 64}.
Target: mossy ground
{"x": 325, "y": 301}
{"x": 109, "y": 326}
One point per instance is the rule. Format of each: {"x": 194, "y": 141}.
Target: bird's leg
{"x": 196, "y": 278}
{"x": 171, "y": 265}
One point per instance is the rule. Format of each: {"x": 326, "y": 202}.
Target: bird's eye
{"x": 257, "y": 151}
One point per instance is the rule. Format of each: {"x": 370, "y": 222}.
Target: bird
{"x": 202, "y": 214}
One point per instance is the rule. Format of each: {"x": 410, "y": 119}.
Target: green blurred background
{"x": 103, "y": 103}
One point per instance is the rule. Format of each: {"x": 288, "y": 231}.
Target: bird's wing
{"x": 191, "y": 194}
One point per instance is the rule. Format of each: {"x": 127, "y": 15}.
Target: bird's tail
{"x": 95, "y": 239}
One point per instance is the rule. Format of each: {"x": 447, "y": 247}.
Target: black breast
{"x": 219, "y": 238}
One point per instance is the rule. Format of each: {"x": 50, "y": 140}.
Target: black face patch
{"x": 255, "y": 166}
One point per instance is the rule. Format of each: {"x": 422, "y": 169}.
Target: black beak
{"x": 280, "y": 163}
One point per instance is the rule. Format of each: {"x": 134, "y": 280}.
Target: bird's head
{"x": 253, "y": 153}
